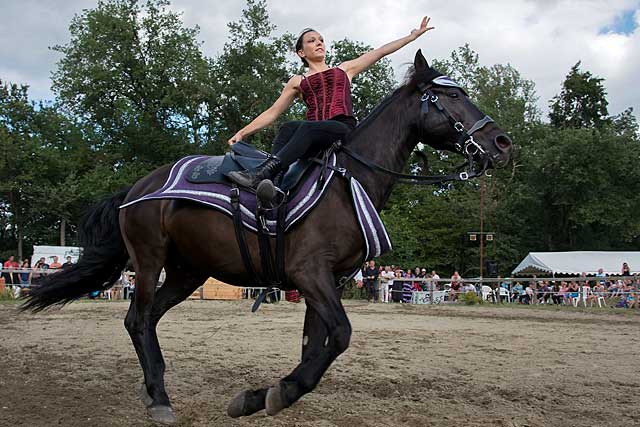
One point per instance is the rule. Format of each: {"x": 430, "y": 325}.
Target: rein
{"x": 466, "y": 145}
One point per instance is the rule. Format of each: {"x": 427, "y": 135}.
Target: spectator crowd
{"x": 393, "y": 284}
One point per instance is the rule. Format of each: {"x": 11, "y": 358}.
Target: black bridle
{"x": 465, "y": 143}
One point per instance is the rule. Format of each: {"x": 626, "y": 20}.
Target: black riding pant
{"x": 302, "y": 139}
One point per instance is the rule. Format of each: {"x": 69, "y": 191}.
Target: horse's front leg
{"x": 326, "y": 335}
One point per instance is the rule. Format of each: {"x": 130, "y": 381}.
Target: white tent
{"x": 577, "y": 262}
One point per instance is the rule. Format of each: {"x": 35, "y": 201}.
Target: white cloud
{"x": 542, "y": 39}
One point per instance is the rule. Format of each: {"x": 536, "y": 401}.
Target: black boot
{"x": 251, "y": 178}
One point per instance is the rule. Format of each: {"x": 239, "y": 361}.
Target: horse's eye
{"x": 453, "y": 94}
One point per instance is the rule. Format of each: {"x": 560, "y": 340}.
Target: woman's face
{"x": 313, "y": 48}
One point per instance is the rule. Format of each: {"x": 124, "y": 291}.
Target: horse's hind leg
{"x": 176, "y": 288}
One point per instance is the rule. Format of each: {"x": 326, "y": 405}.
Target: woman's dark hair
{"x": 299, "y": 43}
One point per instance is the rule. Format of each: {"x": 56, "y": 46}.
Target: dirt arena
{"x": 407, "y": 365}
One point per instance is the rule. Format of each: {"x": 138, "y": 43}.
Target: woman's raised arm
{"x": 356, "y": 66}
{"x": 268, "y": 116}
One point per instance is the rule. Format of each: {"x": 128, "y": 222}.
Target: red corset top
{"x": 327, "y": 94}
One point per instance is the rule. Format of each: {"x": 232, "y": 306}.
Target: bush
{"x": 470, "y": 298}
{"x": 7, "y": 295}
{"x": 352, "y": 292}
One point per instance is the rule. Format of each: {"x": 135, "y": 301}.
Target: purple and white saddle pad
{"x": 305, "y": 198}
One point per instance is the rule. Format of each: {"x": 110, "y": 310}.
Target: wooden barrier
{"x": 216, "y": 290}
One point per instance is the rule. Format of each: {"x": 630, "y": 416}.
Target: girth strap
{"x": 272, "y": 270}
{"x": 239, "y": 229}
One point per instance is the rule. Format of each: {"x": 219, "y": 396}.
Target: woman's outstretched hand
{"x": 424, "y": 27}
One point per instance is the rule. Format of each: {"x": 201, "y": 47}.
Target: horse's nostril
{"x": 503, "y": 142}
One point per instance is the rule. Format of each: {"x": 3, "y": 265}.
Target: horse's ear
{"x": 419, "y": 63}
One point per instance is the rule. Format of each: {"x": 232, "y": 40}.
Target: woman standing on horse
{"x": 327, "y": 94}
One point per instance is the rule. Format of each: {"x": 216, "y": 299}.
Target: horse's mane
{"x": 410, "y": 84}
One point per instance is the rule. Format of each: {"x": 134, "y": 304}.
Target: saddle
{"x": 243, "y": 156}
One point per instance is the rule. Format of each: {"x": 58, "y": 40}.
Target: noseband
{"x": 465, "y": 144}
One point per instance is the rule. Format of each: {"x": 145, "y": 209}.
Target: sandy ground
{"x": 407, "y": 365}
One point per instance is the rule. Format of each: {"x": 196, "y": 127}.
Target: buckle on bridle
{"x": 464, "y": 176}
{"x": 458, "y": 126}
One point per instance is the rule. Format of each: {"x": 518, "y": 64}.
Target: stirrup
{"x": 266, "y": 191}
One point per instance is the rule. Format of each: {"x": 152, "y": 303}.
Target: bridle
{"x": 465, "y": 143}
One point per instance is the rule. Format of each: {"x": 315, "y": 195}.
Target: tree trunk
{"x": 63, "y": 226}
{"x": 20, "y": 238}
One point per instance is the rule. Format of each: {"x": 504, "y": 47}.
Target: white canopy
{"x": 577, "y": 262}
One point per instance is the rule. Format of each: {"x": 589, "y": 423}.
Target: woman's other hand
{"x": 235, "y": 138}
{"x": 424, "y": 27}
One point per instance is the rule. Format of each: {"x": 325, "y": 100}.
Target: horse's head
{"x": 449, "y": 120}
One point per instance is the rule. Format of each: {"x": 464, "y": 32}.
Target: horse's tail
{"x": 103, "y": 258}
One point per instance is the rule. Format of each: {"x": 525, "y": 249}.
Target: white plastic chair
{"x": 502, "y": 292}
{"x": 486, "y": 292}
{"x": 584, "y": 294}
{"x": 598, "y": 297}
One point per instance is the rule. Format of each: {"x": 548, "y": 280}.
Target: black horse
{"x": 193, "y": 242}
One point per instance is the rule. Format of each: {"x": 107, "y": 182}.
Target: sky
{"x": 542, "y": 39}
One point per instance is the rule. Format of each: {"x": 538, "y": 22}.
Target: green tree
{"x": 582, "y": 102}
{"x": 43, "y": 153}
{"x": 248, "y": 77}
{"x": 138, "y": 76}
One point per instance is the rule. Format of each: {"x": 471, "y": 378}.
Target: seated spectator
{"x": 469, "y": 287}
{"x": 543, "y": 293}
{"x": 625, "y": 271}
{"x": 516, "y": 291}
{"x": 564, "y": 292}
{"x": 8, "y": 275}
{"x": 632, "y": 300}
{"x": 456, "y": 286}
{"x": 55, "y": 265}
{"x": 557, "y": 295}
{"x": 25, "y": 277}
{"x": 597, "y": 291}
{"x": 68, "y": 263}
{"x": 573, "y": 292}
{"x": 527, "y": 296}
{"x": 40, "y": 265}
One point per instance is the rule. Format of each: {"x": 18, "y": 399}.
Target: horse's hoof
{"x": 144, "y": 396}
{"x": 237, "y": 406}
{"x": 275, "y": 401}
{"x": 162, "y": 414}
{"x": 266, "y": 191}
